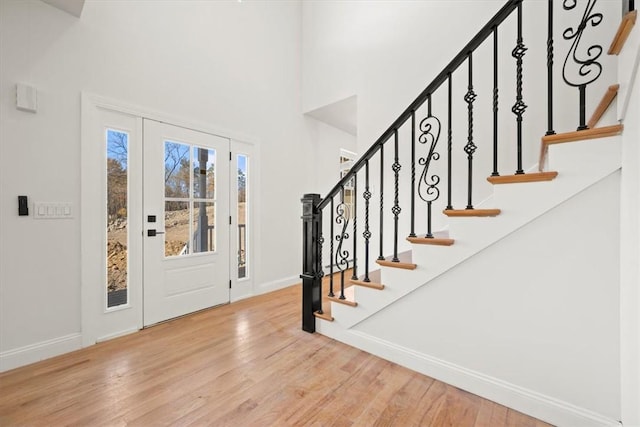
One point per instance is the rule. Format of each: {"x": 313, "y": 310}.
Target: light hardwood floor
{"x": 245, "y": 364}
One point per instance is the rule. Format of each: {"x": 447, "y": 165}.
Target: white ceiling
{"x": 73, "y": 7}
{"x": 341, "y": 114}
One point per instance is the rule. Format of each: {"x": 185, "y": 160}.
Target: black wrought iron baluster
{"x": 331, "y": 233}
{"x": 367, "y": 234}
{"x": 550, "y": 130}
{"x": 470, "y": 148}
{"x": 449, "y": 140}
{"x": 413, "y": 174}
{"x": 396, "y": 199}
{"x": 342, "y": 255}
{"x": 588, "y": 67}
{"x": 519, "y": 107}
{"x": 319, "y": 269}
{"x": 381, "y": 255}
{"x": 495, "y": 102}
{"x": 354, "y": 216}
{"x": 428, "y": 185}
{"x": 632, "y": 5}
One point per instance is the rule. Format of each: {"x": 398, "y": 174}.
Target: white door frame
{"x": 92, "y": 206}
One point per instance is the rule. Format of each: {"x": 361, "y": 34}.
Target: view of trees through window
{"x": 189, "y": 183}
{"x": 117, "y": 216}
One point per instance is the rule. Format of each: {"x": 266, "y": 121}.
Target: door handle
{"x": 153, "y": 233}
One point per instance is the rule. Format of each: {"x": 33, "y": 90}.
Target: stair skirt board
{"x": 529, "y": 402}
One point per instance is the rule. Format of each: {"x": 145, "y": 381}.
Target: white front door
{"x": 186, "y": 221}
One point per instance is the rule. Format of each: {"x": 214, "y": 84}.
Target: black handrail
{"x": 459, "y": 59}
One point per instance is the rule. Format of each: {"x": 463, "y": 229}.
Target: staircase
{"x": 413, "y": 301}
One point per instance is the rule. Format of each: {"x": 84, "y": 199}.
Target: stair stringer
{"x": 580, "y": 165}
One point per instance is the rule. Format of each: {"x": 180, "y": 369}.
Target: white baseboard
{"x": 529, "y": 402}
{"x": 277, "y": 284}
{"x": 36, "y": 352}
{"x": 116, "y": 335}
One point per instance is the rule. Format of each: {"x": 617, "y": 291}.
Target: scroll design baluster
{"x": 331, "y": 294}
{"x": 588, "y": 69}
{"x": 428, "y": 184}
{"x": 396, "y": 209}
{"x": 342, "y": 255}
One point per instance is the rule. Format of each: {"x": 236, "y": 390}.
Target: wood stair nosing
{"x": 324, "y": 315}
{"x": 372, "y": 285}
{"x": 626, "y": 25}
{"x": 436, "y": 241}
{"x": 345, "y": 301}
{"x": 400, "y": 264}
{"x": 605, "y": 102}
{"x": 471, "y": 212}
{"x": 521, "y": 178}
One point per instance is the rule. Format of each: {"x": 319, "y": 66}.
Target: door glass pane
{"x": 204, "y": 233}
{"x": 117, "y": 209}
{"x": 176, "y": 169}
{"x": 204, "y": 161}
{"x": 242, "y": 215}
{"x": 176, "y": 228}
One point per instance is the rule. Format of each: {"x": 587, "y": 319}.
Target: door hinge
{"x": 229, "y": 284}
{"x": 229, "y": 219}
{"x": 230, "y": 156}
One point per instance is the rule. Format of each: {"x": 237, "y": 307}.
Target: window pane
{"x": 204, "y": 161}
{"x": 176, "y": 227}
{"x": 242, "y": 216}
{"x": 117, "y": 208}
{"x": 176, "y": 169}
{"x": 204, "y": 233}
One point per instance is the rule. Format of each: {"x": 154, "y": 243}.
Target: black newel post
{"x": 311, "y": 263}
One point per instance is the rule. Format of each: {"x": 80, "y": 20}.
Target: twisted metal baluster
{"x": 470, "y": 148}
{"x": 367, "y": 234}
{"x": 588, "y": 67}
{"x": 396, "y": 199}
{"x": 495, "y": 102}
{"x": 331, "y": 294}
{"x": 519, "y": 107}
{"x": 381, "y": 255}
{"x": 342, "y": 256}
{"x": 550, "y": 130}
{"x": 413, "y": 174}
{"x": 354, "y": 215}
{"x": 449, "y": 141}
{"x": 428, "y": 185}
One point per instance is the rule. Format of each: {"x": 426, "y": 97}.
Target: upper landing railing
{"x": 580, "y": 68}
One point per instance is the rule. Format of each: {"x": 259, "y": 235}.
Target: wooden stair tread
{"x": 370, "y": 284}
{"x": 605, "y": 102}
{"x": 525, "y": 177}
{"x": 580, "y": 135}
{"x": 437, "y": 241}
{"x": 471, "y": 212}
{"x": 626, "y": 25}
{"x": 326, "y": 312}
{"x": 349, "y": 295}
{"x": 404, "y": 263}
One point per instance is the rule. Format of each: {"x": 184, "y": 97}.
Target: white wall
{"x": 630, "y": 232}
{"x": 233, "y": 65}
{"x": 549, "y": 332}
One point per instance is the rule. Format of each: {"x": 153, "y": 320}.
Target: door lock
{"x": 153, "y": 233}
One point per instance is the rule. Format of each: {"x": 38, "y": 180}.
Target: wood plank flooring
{"x": 245, "y": 364}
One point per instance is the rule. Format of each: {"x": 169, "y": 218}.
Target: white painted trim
{"x": 39, "y": 351}
{"x": 278, "y": 284}
{"x": 629, "y": 91}
{"x": 521, "y": 399}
